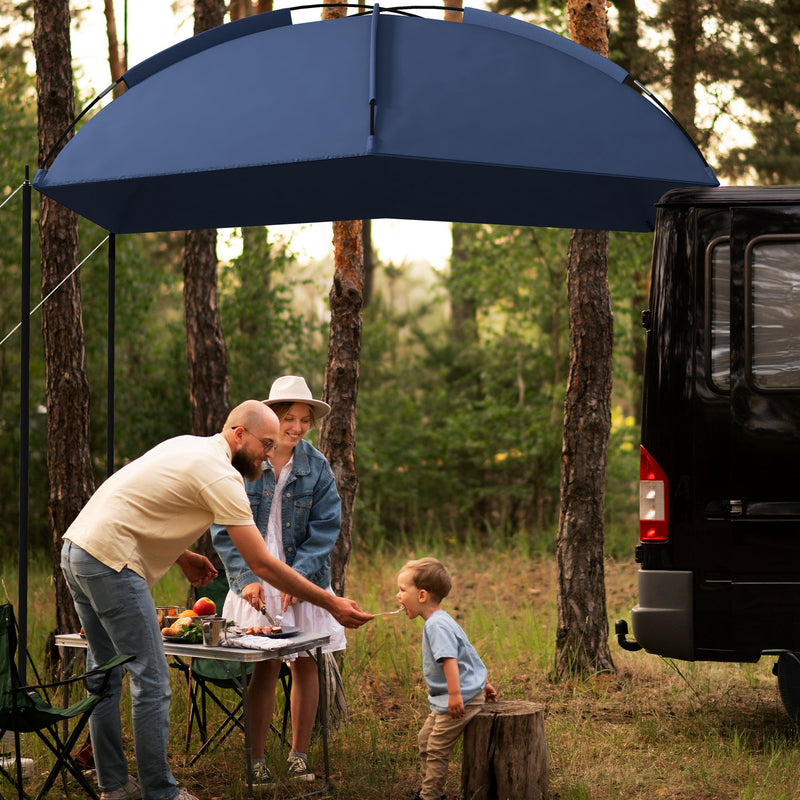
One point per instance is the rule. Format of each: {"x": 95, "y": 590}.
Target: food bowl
{"x": 165, "y": 613}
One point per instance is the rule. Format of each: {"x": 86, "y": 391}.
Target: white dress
{"x": 303, "y": 615}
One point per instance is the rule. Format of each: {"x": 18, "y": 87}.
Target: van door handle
{"x": 736, "y": 508}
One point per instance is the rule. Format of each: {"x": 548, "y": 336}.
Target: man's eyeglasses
{"x": 267, "y": 444}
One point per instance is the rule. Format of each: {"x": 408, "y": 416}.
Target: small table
{"x": 302, "y": 642}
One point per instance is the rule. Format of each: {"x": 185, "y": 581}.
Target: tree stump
{"x": 505, "y": 753}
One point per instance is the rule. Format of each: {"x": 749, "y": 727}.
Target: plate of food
{"x": 272, "y": 631}
{"x": 187, "y": 630}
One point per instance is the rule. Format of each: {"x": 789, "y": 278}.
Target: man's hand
{"x": 489, "y": 693}
{"x": 199, "y": 571}
{"x": 348, "y": 613}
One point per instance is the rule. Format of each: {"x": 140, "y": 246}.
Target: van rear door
{"x": 764, "y": 502}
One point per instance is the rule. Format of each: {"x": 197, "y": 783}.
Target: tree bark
{"x": 453, "y": 11}
{"x": 582, "y": 626}
{"x": 687, "y": 38}
{"x": 369, "y": 259}
{"x": 582, "y": 630}
{"x": 69, "y": 464}
{"x": 463, "y": 305}
{"x": 338, "y": 430}
{"x": 117, "y": 64}
{"x": 206, "y": 354}
{"x": 505, "y": 753}
{"x": 337, "y": 438}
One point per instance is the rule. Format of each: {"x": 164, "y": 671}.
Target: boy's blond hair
{"x": 430, "y": 574}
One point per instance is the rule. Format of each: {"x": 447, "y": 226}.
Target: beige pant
{"x": 436, "y": 740}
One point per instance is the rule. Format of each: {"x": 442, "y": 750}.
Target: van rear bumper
{"x": 663, "y": 620}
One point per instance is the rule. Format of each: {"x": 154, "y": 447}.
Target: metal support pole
{"x": 112, "y": 327}
{"x": 24, "y": 424}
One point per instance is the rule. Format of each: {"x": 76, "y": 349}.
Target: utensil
{"x": 387, "y": 613}
{"x": 269, "y": 617}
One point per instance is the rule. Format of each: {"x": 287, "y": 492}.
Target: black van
{"x": 719, "y": 491}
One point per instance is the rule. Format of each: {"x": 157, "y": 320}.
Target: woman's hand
{"x": 288, "y": 600}
{"x": 347, "y": 612}
{"x": 253, "y": 594}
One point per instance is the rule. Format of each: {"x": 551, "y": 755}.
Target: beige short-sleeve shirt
{"x": 147, "y": 513}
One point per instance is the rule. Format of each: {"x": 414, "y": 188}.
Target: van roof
{"x": 730, "y": 196}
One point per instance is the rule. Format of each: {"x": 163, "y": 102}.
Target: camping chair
{"x": 24, "y": 709}
{"x": 206, "y": 677}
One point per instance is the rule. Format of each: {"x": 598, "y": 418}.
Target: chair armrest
{"x": 116, "y": 661}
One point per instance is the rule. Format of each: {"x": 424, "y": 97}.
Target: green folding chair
{"x": 205, "y": 678}
{"x": 27, "y": 709}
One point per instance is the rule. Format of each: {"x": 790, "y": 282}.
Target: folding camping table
{"x": 304, "y": 642}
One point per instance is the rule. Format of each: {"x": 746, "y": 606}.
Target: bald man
{"x": 137, "y": 524}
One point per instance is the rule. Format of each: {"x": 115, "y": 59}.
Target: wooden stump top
{"x": 510, "y": 708}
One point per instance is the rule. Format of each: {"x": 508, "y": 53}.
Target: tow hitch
{"x": 621, "y": 629}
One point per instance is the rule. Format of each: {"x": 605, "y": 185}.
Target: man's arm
{"x": 250, "y": 544}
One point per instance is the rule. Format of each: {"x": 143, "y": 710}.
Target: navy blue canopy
{"x": 262, "y": 122}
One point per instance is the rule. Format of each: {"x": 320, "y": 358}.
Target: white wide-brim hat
{"x": 294, "y": 389}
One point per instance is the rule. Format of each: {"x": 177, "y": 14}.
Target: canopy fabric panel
{"x": 263, "y": 122}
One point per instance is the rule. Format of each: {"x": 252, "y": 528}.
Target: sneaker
{"x": 261, "y": 775}
{"x": 9, "y": 764}
{"x": 183, "y": 795}
{"x": 130, "y": 791}
{"x": 298, "y": 769}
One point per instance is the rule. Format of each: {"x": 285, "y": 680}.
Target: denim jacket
{"x": 311, "y": 519}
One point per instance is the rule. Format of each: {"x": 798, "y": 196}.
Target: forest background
{"x": 462, "y": 370}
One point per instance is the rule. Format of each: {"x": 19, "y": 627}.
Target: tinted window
{"x": 775, "y": 312}
{"x": 720, "y": 278}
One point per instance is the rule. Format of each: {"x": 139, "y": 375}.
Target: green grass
{"x": 653, "y": 729}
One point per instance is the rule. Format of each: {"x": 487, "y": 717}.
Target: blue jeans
{"x": 117, "y": 613}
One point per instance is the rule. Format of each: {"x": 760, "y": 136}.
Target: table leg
{"x": 248, "y": 747}
{"x": 323, "y": 715}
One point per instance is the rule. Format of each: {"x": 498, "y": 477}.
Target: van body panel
{"x": 721, "y": 417}
{"x": 663, "y": 618}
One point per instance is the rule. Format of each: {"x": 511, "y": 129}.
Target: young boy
{"x": 454, "y": 673}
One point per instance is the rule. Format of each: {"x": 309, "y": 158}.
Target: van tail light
{"x": 653, "y": 500}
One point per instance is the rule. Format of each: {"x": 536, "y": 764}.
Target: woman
{"x": 301, "y": 530}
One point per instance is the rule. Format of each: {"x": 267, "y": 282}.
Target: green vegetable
{"x": 192, "y": 634}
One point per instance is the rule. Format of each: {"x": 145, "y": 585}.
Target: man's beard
{"x": 248, "y": 470}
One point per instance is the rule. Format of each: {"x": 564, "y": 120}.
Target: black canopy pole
{"x": 24, "y": 422}
{"x": 112, "y": 324}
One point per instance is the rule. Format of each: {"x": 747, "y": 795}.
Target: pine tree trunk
{"x": 582, "y": 627}
{"x": 338, "y": 430}
{"x": 206, "y": 354}
{"x": 337, "y": 437}
{"x": 69, "y": 464}
{"x": 369, "y": 259}
{"x": 582, "y": 632}
{"x": 117, "y": 63}
{"x": 687, "y": 38}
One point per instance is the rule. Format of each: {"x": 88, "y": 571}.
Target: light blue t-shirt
{"x": 443, "y": 637}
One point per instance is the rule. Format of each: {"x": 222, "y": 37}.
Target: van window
{"x": 774, "y": 267}
{"x": 720, "y": 312}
